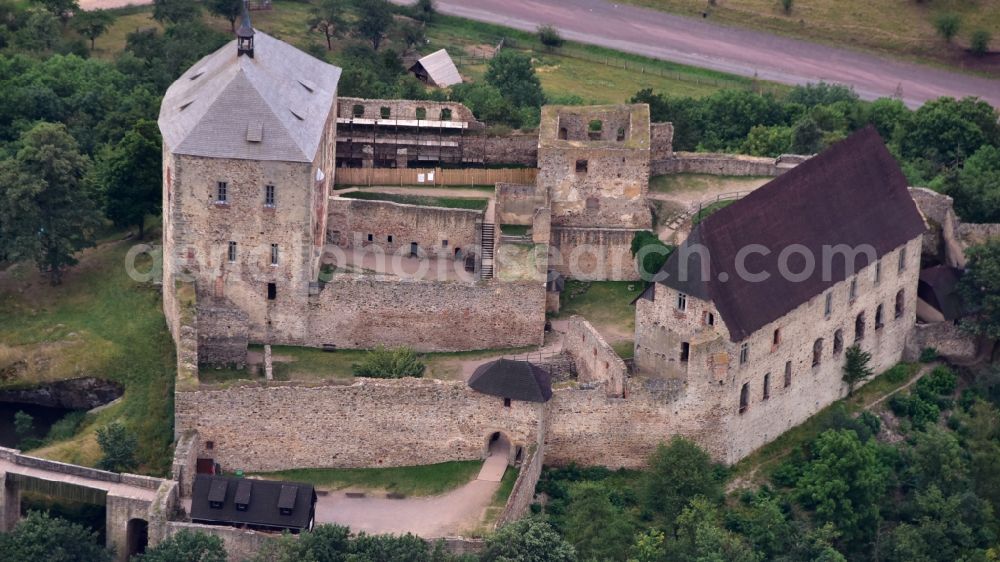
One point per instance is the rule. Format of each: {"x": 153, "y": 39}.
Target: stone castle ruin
{"x": 262, "y": 244}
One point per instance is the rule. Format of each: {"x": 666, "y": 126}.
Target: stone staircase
{"x": 489, "y": 239}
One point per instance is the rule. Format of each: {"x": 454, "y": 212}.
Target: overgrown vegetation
{"x": 423, "y": 480}
{"x": 650, "y": 252}
{"x": 385, "y": 363}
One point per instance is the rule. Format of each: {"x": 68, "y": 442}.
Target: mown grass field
{"x": 902, "y": 28}
{"x": 98, "y": 323}
{"x": 605, "y": 304}
{"x": 424, "y": 480}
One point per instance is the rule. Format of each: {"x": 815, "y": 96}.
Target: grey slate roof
{"x": 440, "y": 68}
{"x": 281, "y": 95}
{"x": 517, "y": 380}
{"x": 264, "y": 500}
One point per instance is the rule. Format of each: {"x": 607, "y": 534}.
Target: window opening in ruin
{"x": 744, "y": 397}
{"x": 776, "y": 338}
{"x": 209, "y": 445}
{"x": 767, "y": 386}
{"x": 838, "y": 341}
{"x": 685, "y": 351}
{"x": 817, "y": 352}
{"x": 902, "y": 259}
{"x": 710, "y": 319}
{"x": 788, "y": 374}
{"x": 371, "y": 237}
{"x": 444, "y": 243}
{"x": 413, "y": 249}
{"x": 421, "y": 113}
{"x": 384, "y": 112}
{"x": 744, "y": 353}
{"x": 621, "y": 134}
{"x": 222, "y": 192}
{"x": 581, "y": 166}
{"x": 274, "y": 254}
{"x": 828, "y": 307}
{"x": 388, "y": 238}
{"x": 563, "y": 133}
{"x": 899, "y": 303}
{"x": 878, "y": 271}
{"x": 682, "y": 301}
{"x": 272, "y": 291}
{"x": 859, "y": 327}
{"x": 878, "y": 317}
{"x": 359, "y": 110}
{"x": 446, "y": 114}
{"x": 232, "y": 251}
{"x": 519, "y": 453}
{"x": 854, "y": 288}
{"x": 594, "y": 129}
{"x": 506, "y": 402}
{"x": 269, "y": 196}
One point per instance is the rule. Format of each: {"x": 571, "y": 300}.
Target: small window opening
{"x": 838, "y": 341}
{"x": 446, "y": 114}
{"x": 269, "y": 196}
{"x": 209, "y": 445}
{"x": 854, "y": 288}
{"x": 776, "y": 338}
{"x": 744, "y": 397}
{"x": 767, "y": 386}
{"x": 817, "y": 352}
{"x": 272, "y": 291}
{"x": 828, "y": 307}
{"x": 384, "y": 112}
{"x": 388, "y": 238}
{"x": 899, "y": 303}
{"x": 682, "y": 301}
{"x": 685, "y": 351}
{"x": 859, "y": 327}
{"x": 421, "y": 113}
{"x": 506, "y": 402}
{"x": 710, "y": 319}
{"x": 359, "y": 110}
{"x": 878, "y": 271}
{"x": 444, "y": 243}
{"x": 371, "y": 237}
{"x": 581, "y": 166}
{"x": 563, "y": 133}
{"x": 413, "y": 249}
{"x": 788, "y": 374}
{"x": 222, "y": 192}
{"x": 232, "y": 251}
{"x": 621, "y": 134}
{"x": 594, "y": 129}
{"x": 902, "y": 259}
{"x": 878, "y": 317}
{"x": 274, "y": 254}
{"x": 744, "y": 353}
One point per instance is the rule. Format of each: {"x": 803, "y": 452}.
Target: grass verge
{"x": 424, "y": 480}
{"x": 605, "y": 304}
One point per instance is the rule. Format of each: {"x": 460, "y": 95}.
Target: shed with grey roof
{"x": 437, "y": 69}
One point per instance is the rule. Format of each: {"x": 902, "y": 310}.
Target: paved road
{"x": 737, "y": 51}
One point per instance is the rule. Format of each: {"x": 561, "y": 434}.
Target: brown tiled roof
{"x": 853, "y": 193}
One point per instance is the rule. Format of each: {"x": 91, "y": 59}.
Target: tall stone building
{"x": 249, "y": 138}
{"x": 756, "y": 309}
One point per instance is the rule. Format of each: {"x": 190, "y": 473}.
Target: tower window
{"x": 221, "y": 192}
{"x": 817, "y": 352}
{"x": 828, "y": 306}
{"x": 776, "y": 338}
{"x": 902, "y": 258}
{"x": 878, "y": 271}
{"x": 854, "y": 288}
{"x": 444, "y": 243}
{"x": 838, "y": 341}
{"x": 767, "y": 386}
{"x": 859, "y": 327}
{"x": 232, "y": 251}
{"x": 744, "y": 397}
{"x": 371, "y": 237}
{"x": 268, "y": 195}
{"x": 685, "y": 351}
{"x": 744, "y": 353}
{"x": 682, "y": 301}
{"x": 788, "y": 374}
{"x": 274, "y": 254}
{"x": 272, "y": 291}
{"x": 899, "y": 303}
{"x": 388, "y": 238}
{"x": 581, "y": 166}
{"x": 709, "y": 318}
{"x": 878, "y": 317}
{"x": 506, "y": 402}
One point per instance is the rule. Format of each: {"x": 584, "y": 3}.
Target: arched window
{"x": 838, "y": 341}
{"x": 899, "y": 303}
{"x": 859, "y": 327}
{"x": 878, "y": 317}
{"x": 744, "y": 397}
{"x": 817, "y": 352}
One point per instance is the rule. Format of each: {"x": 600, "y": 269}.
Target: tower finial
{"x": 244, "y": 35}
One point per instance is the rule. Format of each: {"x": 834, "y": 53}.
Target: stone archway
{"x": 499, "y": 442}
{"x": 137, "y": 536}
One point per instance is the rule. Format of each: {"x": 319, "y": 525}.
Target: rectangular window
{"x": 767, "y": 386}
{"x": 685, "y": 351}
{"x": 268, "y": 195}
{"x": 854, "y": 288}
{"x": 222, "y": 192}
{"x": 878, "y": 271}
{"x": 272, "y": 291}
{"x": 506, "y": 402}
{"x": 232, "y": 251}
{"x": 388, "y": 238}
{"x": 444, "y": 243}
{"x": 274, "y": 254}
{"x": 828, "y": 307}
{"x": 682, "y": 302}
{"x": 776, "y": 338}
{"x": 902, "y": 259}
{"x": 371, "y": 237}
{"x": 788, "y": 374}
{"x": 744, "y": 397}
{"x": 581, "y": 166}
{"x": 744, "y": 353}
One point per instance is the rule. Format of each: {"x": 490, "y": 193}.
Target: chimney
{"x": 244, "y": 35}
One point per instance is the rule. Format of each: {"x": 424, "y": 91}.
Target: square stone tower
{"x": 249, "y": 138}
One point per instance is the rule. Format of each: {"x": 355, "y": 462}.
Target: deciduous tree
{"x": 328, "y": 17}
{"x": 129, "y": 175}
{"x": 118, "y": 446}
{"x": 527, "y": 540}
{"x": 375, "y": 20}
{"x": 92, "y": 24}
{"x": 186, "y": 545}
{"x": 678, "y": 472}
{"x": 511, "y": 73}
{"x": 980, "y": 289}
{"x": 856, "y": 367}
{"x": 40, "y": 537}
{"x": 228, "y": 9}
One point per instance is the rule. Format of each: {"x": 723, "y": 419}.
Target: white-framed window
{"x": 274, "y": 254}
{"x": 221, "y": 192}
{"x": 232, "y": 251}
{"x": 269, "y": 195}
{"x": 682, "y": 302}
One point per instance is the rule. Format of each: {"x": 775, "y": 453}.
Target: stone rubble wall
{"x": 523, "y": 494}
{"x": 950, "y": 341}
{"x": 369, "y": 423}
{"x": 516, "y": 204}
{"x": 596, "y": 362}
{"x": 240, "y": 544}
{"x": 185, "y": 462}
{"x": 593, "y": 254}
{"x": 661, "y": 141}
{"x": 724, "y": 164}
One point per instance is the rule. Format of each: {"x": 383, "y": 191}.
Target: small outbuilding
{"x": 264, "y": 505}
{"x": 512, "y": 380}
{"x": 437, "y": 69}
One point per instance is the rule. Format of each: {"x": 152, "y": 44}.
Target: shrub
{"x": 947, "y": 26}
{"x": 66, "y": 427}
{"x": 786, "y": 5}
{"x": 651, "y": 253}
{"x": 386, "y": 363}
{"x": 118, "y": 446}
{"x": 979, "y": 43}
{"x": 550, "y": 37}
{"x": 928, "y": 354}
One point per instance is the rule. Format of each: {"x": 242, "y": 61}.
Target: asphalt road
{"x": 736, "y": 51}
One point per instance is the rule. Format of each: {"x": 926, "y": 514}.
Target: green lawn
{"x": 903, "y": 28}
{"x": 424, "y": 480}
{"x": 606, "y": 304}
{"x": 449, "y": 202}
{"x": 98, "y": 323}
{"x": 704, "y": 183}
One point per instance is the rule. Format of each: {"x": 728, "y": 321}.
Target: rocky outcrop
{"x": 72, "y": 394}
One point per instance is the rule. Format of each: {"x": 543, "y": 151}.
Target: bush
{"x": 928, "y": 355}
{"x": 947, "y": 26}
{"x": 651, "y": 253}
{"x": 66, "y": 427}
{"x": 118, "y": 446}
{"x": 550, "y": 37}
{"x": 979, "y": 43}
{"x": 386, "y": 363}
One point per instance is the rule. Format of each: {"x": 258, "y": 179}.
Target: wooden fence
{"x": 433, "y": 176}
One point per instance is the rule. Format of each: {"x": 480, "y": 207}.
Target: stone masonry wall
{"x": 371, "y": 422}
{"x": 516, "y": 204}
{"x": 437, "y": 231}
{"x": 362, "y": 311}
{"x": 240, "y": 544}
{"x": 724, "y": 164}
{"x": 593, "y": 254}
{"x": 661, "y": 141}
{"x": 596, "y": 362}
{"x": 523, "y": 494}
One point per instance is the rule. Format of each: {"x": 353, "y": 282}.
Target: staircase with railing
{"x": 488, "y": 241}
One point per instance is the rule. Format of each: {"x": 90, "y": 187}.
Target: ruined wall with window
{"x": 596, "y": 362}
{"x": 394, "y": 228}
{"x": 800, "y": 355}
{"x": 594, "y": 254}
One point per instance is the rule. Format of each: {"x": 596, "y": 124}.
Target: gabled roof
{"x": 440, "y": 68}
{"x": 853, "y": 193}
{"x": 264, "y": 500}
{"x": 224, "y": 103}
{"x": 517, "y": 380}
